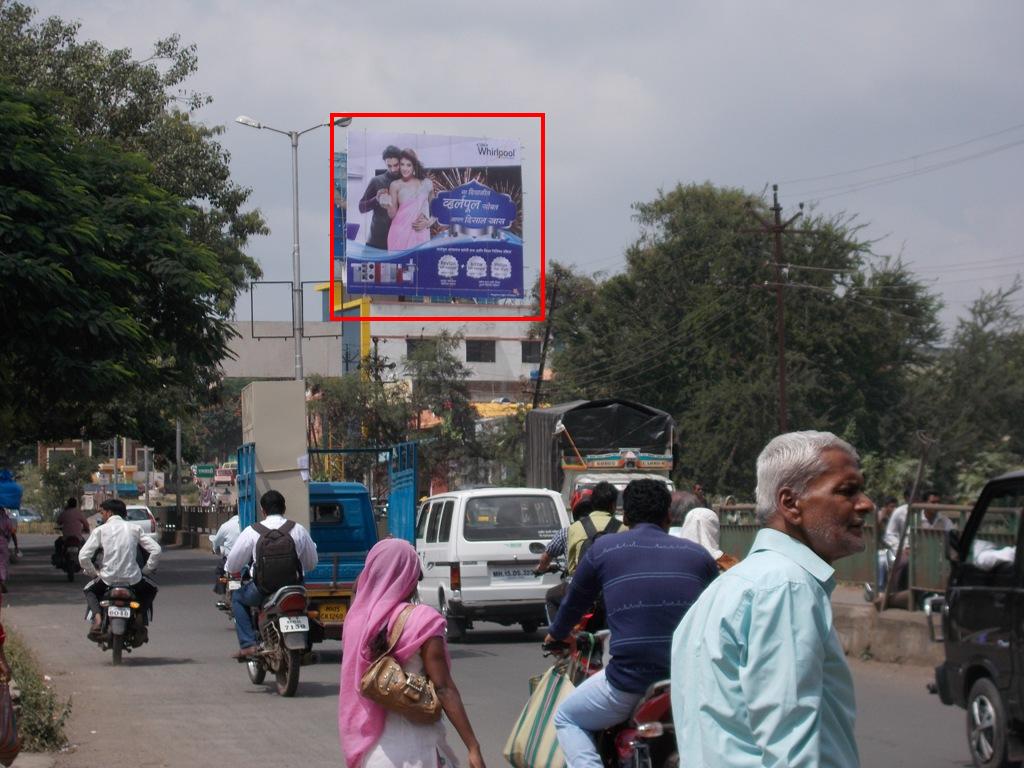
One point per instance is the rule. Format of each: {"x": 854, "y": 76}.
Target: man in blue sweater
{"x": 649, "y": 580}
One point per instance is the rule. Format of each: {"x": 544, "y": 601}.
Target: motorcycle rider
{"x": 222, "y": 542}
{"x": 649, "y": 580}
{"x": 119, "y": 541}
{"x": 73, "y": 525}
{"x": 244, "y": 552}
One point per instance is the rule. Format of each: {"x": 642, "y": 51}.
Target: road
{"x": 177, "y": 701}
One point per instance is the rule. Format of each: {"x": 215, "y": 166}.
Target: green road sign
{"x": 205, "y": 471}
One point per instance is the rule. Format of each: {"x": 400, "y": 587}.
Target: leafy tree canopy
{"x": 142, "y": 106}
{"x": 110, "y": 307}
{"x": 689, "y": 327}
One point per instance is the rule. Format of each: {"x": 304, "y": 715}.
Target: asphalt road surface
{"x": 182, "y": 701}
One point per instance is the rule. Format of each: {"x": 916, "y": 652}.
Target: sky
{"x": 638, "y": 97}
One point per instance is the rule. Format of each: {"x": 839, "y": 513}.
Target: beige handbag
{"x": 385, "y": 682}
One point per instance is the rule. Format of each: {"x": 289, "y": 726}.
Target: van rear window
{"x": 510, "y": 518}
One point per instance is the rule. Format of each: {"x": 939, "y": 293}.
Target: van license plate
{"x": 333, "y": 612}
{"x": 512, "y": 574}
{"x": 294, "y": 624}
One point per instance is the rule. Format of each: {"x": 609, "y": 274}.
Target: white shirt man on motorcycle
{"x": 119, "y": 541}
{"x": 244, "y": 552}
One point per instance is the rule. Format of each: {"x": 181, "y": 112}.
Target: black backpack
{"x": 277, "y": 561}
{"x": 593, "y": 534}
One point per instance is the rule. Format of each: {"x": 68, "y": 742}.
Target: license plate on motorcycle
{"x": 117, "y": 612}
{"x": 294, "y": 624}
{"x": 234, "y": 585}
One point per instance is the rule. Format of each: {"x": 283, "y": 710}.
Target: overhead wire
{"x": 846, "y": 189}
{"x": 908, "y": 158}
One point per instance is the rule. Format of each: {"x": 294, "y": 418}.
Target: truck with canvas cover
{"x": 572, "y": 446}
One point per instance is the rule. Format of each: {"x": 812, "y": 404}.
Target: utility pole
{"x": 113, "y": 476}
{"x": 776, "y": 228}
{"x": 547, "y": 339}
{"x": 177, "y": 465}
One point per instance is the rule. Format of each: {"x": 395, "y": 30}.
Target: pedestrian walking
{"x": 372, "y": 736}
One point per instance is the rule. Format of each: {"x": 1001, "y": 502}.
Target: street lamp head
{"x": 343, "y": 122}
{"x": 246, "y": 120}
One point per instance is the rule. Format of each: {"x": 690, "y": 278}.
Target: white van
{"x": 478, "y": 549}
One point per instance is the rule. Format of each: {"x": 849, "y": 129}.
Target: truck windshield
{"x": 508, "y": 518}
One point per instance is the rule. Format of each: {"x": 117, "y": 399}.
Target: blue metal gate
{"x": 246, "y": 485}
{"x": 402, "y": 470}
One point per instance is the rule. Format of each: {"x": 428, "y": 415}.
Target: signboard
{"x": 443, "y": 218}
{"x": 205, "y": 471}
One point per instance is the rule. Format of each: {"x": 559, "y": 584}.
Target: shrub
{"x": 41, "y": 716}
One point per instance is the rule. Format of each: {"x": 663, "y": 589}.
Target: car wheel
{"x": 987, "y": 727}
{"x": 529, "y": 627}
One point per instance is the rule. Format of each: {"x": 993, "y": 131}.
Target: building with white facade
{"x": 502, "y": 355}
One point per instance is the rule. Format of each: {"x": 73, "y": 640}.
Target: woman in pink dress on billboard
{"x": 410, "y": 197}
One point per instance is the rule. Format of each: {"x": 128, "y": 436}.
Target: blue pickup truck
{"x": 342, "y": 525}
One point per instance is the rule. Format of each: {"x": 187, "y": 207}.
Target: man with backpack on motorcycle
{"x": 648, "y": 580}
{"x": 280, "y": 550}
{"x": 593, "y": 516}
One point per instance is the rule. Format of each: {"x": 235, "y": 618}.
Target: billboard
{"x": 442, "y": 218}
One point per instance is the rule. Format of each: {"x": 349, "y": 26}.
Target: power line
{"x": 845, "y": 189}
{"x": 907, "y": 159}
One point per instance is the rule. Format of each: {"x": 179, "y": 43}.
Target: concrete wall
{"x": 274, "y": 358}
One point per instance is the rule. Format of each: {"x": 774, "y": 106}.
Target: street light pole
{"x": 296, "y": 263}
{"x": 297, "y": 324}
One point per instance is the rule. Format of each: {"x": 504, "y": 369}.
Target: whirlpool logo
{"x": 486, "y": 150}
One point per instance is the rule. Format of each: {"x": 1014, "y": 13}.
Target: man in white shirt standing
{"x": 119, "y": 541}
{"x": 244, "y": 551}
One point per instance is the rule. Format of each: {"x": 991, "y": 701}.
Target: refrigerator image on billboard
{"x": 431, "y": 216}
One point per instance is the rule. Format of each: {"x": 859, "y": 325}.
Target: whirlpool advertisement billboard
{"x": 426, "y": 215}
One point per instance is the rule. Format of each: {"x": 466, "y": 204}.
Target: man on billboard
{"x": 377, "y": 198}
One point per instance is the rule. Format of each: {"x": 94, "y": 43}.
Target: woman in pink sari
{"x": 371, "y": 736}
{"x": 410, "y": 197}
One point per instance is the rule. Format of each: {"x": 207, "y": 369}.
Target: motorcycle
{"x": 224, "y": 589}
{"x": 122, "y": 626}
{"x": 647, "y": 739}
{"x": 65, "y": 557}
{"x": 282, "y": 623}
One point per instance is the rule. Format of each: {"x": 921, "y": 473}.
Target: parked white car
{"x": 142, "y": 516}
{"x": 478, "y": 549}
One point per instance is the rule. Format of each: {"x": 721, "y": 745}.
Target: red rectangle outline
{"x": 539, "y": 318}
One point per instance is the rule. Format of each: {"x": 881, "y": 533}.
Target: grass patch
{"x": 41, "y": 717}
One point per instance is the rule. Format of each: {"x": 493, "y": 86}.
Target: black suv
{"x": 983, "y": 625}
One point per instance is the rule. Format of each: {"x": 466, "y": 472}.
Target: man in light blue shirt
{"x": 758, "y": 673}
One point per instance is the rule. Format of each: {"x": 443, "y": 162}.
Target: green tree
{"x": 969, "y": 398}
{"x": 689, "y": 327}
{"x": 355, "y": 412}
{"x": 439, "y": 385}
{"x": 142, "y": 106}
{"x": 111, "y": 309}
{"x": 65, "y": 475}
{"x": 215, "y": 431}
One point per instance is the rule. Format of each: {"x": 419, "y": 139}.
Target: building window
{"x": 531, "y": 351}
{"x": 412, "y": 345}
{"x": 480, "y": 351}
